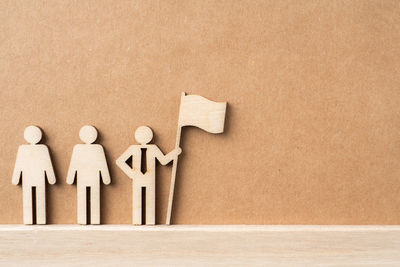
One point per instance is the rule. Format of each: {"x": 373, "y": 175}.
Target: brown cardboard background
{"x": 313, "y": 127}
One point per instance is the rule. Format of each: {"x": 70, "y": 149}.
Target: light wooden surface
{"x": 127, "y": 245}
{"x": 88, "y": 165}
{"x": 32, "y": 168}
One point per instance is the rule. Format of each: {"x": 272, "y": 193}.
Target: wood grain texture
{"x": 117, "y": 245}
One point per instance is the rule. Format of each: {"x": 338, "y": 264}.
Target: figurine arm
{"x": 105, "y": 174}
{"x": 17, "y": 169}
{"x": 121, "y": 162}
{"x": 51, "y": 177}
{"x": 72, "y": 168}
{"x": 165, "y": 159}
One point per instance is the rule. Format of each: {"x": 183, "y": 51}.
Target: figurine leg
{"x": 137, "y": 204}
{"x": 150, "y": 205}
{"x": 81, "y": 204}
{"x": 94, "y": 205}
{"x": 40, "y": 205}
{"x": 27, "y": 204}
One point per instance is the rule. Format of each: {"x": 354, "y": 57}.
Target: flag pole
{"x": 174, "y": 167}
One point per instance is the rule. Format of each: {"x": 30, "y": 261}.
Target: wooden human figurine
{"x": 143, "y": 173}
{"x": 33, "y": 165}
{"x": 88, "y": 165}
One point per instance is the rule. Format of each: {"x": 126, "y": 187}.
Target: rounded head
{"x": 143, "y": 135}
{"x": 32, "y": 134}
{"x": 88, "y": 134}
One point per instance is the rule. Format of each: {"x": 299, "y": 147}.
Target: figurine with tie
{"x": 143, "y": 173}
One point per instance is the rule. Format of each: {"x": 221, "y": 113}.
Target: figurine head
{"x": 88, "y": 134}
{"x": 143, "y": 135}
{"x": 32, "y": 135}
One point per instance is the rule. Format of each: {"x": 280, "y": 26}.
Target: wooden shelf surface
{"x": 193, "y": 245}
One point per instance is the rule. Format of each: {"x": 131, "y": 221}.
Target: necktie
{"x": 143, "y": 161}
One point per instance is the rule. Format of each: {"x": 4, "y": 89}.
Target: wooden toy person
{"x": 143, "y": 173}
{"x": 33, "y": 164}
{"x": 88, "y": 165}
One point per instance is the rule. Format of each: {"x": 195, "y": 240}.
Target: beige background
{"x": 313, "y": 127}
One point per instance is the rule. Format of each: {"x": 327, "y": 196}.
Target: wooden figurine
{"x": 88, "y": 165}
{"x": 200, "y": 112}
{"x": 143, "y": 173}
{"x": 33, "y": 165}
